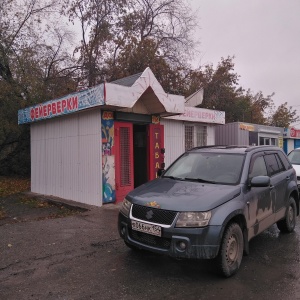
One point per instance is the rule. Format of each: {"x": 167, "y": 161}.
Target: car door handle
{"x": 271, "y": 187}
{"x": 287, "y": 178}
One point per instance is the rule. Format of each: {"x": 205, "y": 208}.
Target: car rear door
{"x": 260, "y": 211}
{"x": 280, "y": 178}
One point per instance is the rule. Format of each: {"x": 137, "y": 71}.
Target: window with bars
{"x": 189, "y": 137}
{"x": 201, "y": 139}
{"x": 195, "y": 136}
{"x": 125, "y": 156}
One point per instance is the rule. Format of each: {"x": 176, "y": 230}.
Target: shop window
{"x": 267, "y": 141}
{"x": 195, "y": 136}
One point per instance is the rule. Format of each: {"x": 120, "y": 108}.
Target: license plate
{"x": 146, "y": 228}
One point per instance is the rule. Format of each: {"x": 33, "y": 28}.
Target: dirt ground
{"x": 17, "y": 204}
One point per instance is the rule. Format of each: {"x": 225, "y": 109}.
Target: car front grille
{"x": 150, "y": 240}
{"x": 153, "y": 215}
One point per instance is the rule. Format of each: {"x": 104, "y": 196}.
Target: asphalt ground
{"x": 79, "y": 255}
{"x": 38, "y": 233}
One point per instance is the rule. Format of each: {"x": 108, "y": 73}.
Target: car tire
{"x": 231, "y": 250}
{"x": 288, "y": 224}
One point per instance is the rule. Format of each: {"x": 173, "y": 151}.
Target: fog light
{"x": 182, "y": 245}
{"x": 123, "y": 230}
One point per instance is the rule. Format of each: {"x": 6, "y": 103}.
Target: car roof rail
{"x": 247, "y": 148}
{"x": 206, "y": 147}
{"x": 219, "y": 147}
{"x": 271, "y": 147}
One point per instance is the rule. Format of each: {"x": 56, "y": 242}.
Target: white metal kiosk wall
{"x": 66, "y": 157}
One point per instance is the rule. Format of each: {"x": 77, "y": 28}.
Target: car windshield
{"x": 294, "y": 157}
{"x": 207, "y": 167}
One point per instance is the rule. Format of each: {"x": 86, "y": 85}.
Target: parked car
{"x": 211, "y": 202}
{"x": 294, "y": 157}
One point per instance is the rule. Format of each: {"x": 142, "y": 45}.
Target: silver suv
{"x": 211, "y": 202}
{"x": 294, "y": 157}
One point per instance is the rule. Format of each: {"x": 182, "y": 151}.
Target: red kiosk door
{"x": 123, "y": 159}
{"x": 156, "y": 149}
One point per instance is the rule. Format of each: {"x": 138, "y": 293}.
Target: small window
{"x": 195, "y": 136}
{"x": 261, "y": 141}
{"x": 189, "y": 137}
{"x": 272, "y": 164}
{"x": 201, "y": 132}
{"x": 267, "y": 141}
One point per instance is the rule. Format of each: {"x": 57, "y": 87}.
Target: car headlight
{"x": 193, "y": 219}
{"x": 125, "y": 208}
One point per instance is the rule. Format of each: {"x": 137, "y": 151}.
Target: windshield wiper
{"x": 199, "y": 180}
{"x": 172, "y": 177}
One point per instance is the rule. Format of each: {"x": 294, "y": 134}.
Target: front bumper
{"x": 195, "y": 243}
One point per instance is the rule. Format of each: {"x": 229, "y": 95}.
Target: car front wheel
{"x": 231, "y": 250}
{"x": 289, "y": 222}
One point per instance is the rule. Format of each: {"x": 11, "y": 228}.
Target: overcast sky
{"x": 264, "y": 37}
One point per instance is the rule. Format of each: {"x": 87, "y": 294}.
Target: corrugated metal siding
{"x": 243, "y": 137}
{"x": 38, "y": 177}
{"x": 229, "y": 134}
{"x": 226, "y": 134}
{"x": 174, "y": 139}
{"x": 66, "y": 157}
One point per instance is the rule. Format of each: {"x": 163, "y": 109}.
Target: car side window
{"x": 280, "y": 164}
{"x": 272, "y": 164}
{"x": 285, "y": 161}
{"x": 257, "y": 167}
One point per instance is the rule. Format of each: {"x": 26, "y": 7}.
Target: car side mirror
{"x": 260, "y": 181}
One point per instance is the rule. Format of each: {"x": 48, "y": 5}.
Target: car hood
{"x": 180, "y": 195}
{"x": 297, "y": 169}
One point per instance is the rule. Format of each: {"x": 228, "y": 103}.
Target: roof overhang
{"x": 145, "y": 89}
{"x": 145, "y": 95}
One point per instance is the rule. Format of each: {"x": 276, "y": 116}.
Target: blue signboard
{"x": 69, "y": 104}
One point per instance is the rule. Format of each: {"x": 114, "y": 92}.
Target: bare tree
{"x": 170, "y": 23}
{"x": 96, "y": 19}
{"x": 33, "y": 57}
{"x": 283, "y": 116}
{"x": 116, "y": 35}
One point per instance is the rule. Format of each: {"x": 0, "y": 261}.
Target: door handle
{"x": 287, "y": 177}
{"x": 271, "y": 187}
